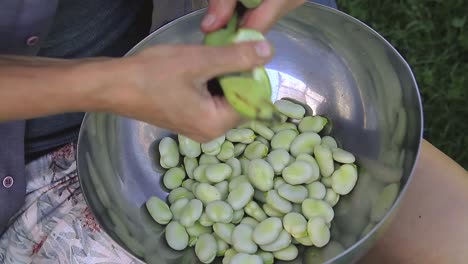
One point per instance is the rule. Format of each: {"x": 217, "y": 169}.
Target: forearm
{"x": 430, "y": 225}
{"x": 32, "y": 87}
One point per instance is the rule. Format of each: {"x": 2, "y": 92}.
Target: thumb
{"x": 215, "y": 61}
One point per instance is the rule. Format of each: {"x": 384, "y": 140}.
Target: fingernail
{"x": 208, "y": 21}
{"x": 263, "y": 49}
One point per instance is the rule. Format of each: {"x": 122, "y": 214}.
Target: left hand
{"x": 260, "y": 18}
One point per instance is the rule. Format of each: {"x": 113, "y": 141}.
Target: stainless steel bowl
{"x": 332, "y": 62}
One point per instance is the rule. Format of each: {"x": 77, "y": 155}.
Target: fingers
{"x": 263, "y": 17}
{"x": 214, "y": 61}
{"x": 219, "y": 13}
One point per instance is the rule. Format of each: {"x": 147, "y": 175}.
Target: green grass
{"x": 432, "y": 35}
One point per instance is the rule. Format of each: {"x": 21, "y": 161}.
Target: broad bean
{"x": 270, "y": 211}
{"x": 254, "y": 210}
{"x": 206, "y": 248}
{"x": 227, "y": 151}
{"x": 304, "y": 241}
{"x": 190, "y": 164}
{"x": 256, "y": 150}
{"x": 200, "y": 173}
{"x": 169, "y": 153}
{"x": 343, "y": 156}
{"x": 267, "y": 257}
{"x": 249, "y": 221}
{"x": 205, "y": 221}
{"x": 316, "y": 190}
{"x": 219, "y": 212}
{"x": 263, "y": 140}
{"x": 240, "y": 196}
{"x": 297, "y": 208}
{"x": 235, "y": 182}
{"x": 218, "y": 172}
{"x": 278, "y": 160}
{"x": 283, "y": 139}
{"x": 326, "y": 181}
{"x": 244, "y": 165}
{"x": 286, "y": 254}
{"x": 197, "y": 229}
{"x": 329, "y": 142}
{"x": 222, "y": 247}
{"x": 223, "y": 188}
{"x": 243, "y": 258}
{"x": 188, "y": 147}
{"x": 299, "y": 172}
{"x": 235, "y": 165}
{"x": 159, "y": 210}
{"x": 213, "y": 147}
{"x": 262, "y": 130}
{"x": 230, "y": 253}
{"x": 324, "y": 158}
{"x": 331, "y": 197}
{"x": 261, "y": 175}
{"x": 237, "y": 216}
{"x": 312, "y": 124}
{"x": 267, "y": 231}
{"x": 283, "y": 241}
{"x": 191, "y": 213}
{"x": 305, "y": 143}
{"x": 285, "y": 126}
{"x": 277, "y": 202}
{"x": 295, "y": 224}
{"x": 179, "y": 193}
{"x": 241, "y": 135}
{"x": 242, "y": 239}
{"x": 176, "y": 236}
{"x": 239, "y": 149}
{"x": 318, "y": 231}
{"x": 290, "y": 109}
{"x": 259, "y": 196}
{"x": 188, "y": 184}
{"x": 313, "y": 163}
{"x": 177, "y": 207}
{"x": 278, "y": 181}
{"x": 293, "y": 193}
{"x": 224, "y": 231}
{"x": 207, "y": 193}
{"x": 312, "y": 208}
{"x": 173, "y": 178}
{"x": 344, "y": 179}
{"x": 206, "y": 159}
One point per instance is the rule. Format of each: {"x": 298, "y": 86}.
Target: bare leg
{"x": 432, "y": 224}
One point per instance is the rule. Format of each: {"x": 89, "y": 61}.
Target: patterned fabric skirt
{"x": 55, "y": 225}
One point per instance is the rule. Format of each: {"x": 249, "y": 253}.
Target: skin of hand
{"x": 260, "y": 18}
{"x": 161, "y": 85}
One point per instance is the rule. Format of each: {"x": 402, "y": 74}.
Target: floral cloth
{"x": 55, "y": 225}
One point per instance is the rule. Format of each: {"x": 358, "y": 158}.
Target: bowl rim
{"x": 393, "y": 209}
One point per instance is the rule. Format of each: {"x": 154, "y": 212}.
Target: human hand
{"x": 260, "y": 18}
{"x": 166, "y": 86}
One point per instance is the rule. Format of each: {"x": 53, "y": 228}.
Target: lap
{"x": 55, "y": 224}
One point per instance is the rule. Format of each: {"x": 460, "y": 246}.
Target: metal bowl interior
{"x": 330, "y": 61}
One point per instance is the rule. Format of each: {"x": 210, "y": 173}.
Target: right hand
{"x": 166, "y": 86}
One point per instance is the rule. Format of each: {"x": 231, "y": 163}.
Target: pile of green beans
{"x": 256, "y": 193}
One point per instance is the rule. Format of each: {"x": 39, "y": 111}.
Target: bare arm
{"x": 163, "y": 86}
{"x": 431, "y": 224}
